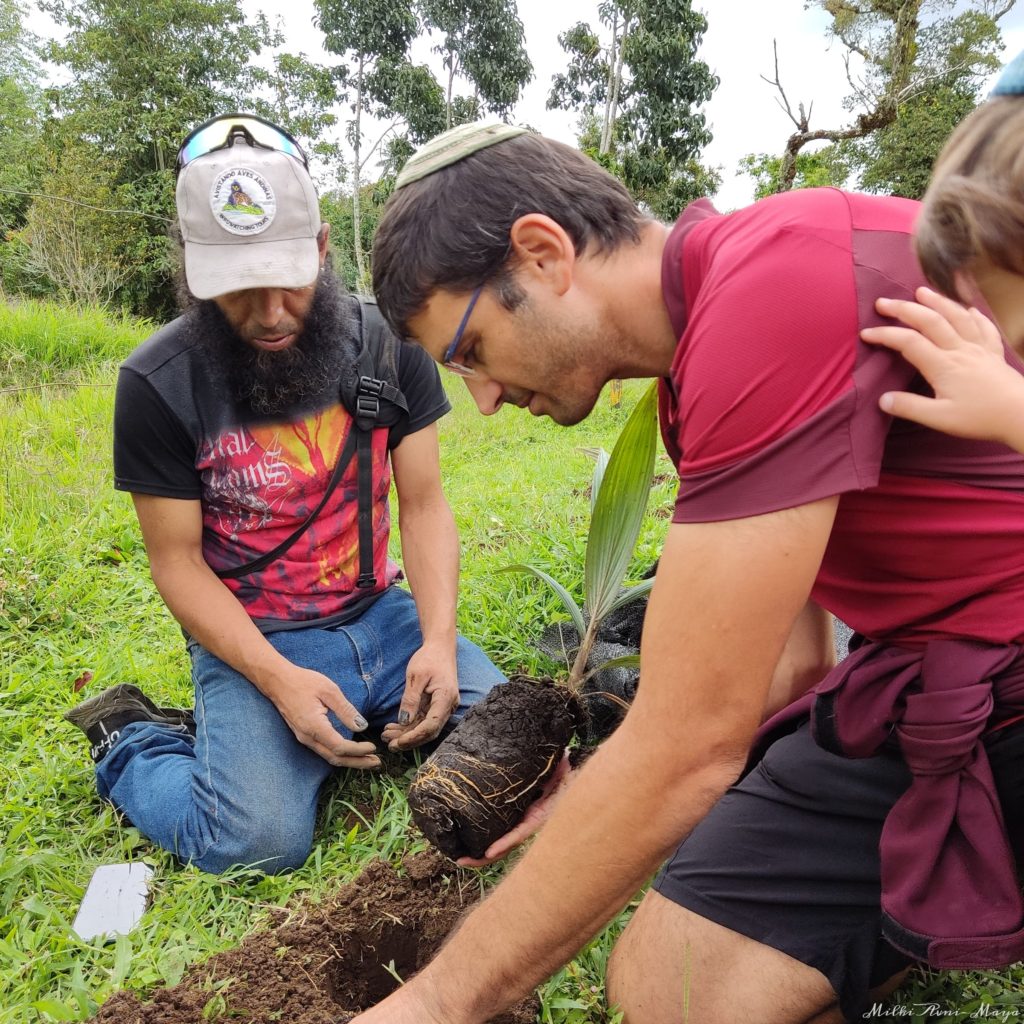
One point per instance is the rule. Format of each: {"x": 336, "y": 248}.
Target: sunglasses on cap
{"x": 221, "y": 132}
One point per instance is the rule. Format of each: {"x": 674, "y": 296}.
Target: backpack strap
{"x": 370, "y": 392}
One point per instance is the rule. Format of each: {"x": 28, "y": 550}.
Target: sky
{"x": 743, "y": 113}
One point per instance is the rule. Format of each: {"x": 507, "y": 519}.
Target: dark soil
{"x": 326, "y": 962}
{"x": 478, "y": 784}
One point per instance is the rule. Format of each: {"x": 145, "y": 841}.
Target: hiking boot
{"x": 103, "y": 717}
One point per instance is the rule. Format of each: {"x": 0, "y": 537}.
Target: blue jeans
{"x": 244, "y": 791}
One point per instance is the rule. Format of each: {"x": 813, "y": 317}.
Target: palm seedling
{"x": 479, "y": 782}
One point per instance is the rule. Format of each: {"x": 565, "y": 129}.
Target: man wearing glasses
{"x": 258, "y": 446}
{"x": 876, "y": 824}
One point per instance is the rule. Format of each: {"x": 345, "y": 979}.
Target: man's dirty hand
{"x": 305, "y": 698}
{"x": 431, "y": 695}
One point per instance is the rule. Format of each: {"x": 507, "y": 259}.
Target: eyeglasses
{"x": 448, "y": 362}
{"x": 220, "y": 132}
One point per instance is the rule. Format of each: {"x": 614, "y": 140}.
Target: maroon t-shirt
{"x": 772, "y": 402}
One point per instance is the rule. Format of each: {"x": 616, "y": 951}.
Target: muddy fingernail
{"x": 360, "y": 723}
{"x": 403, "y": 717}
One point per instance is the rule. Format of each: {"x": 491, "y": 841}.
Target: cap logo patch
{"x": 242, "y": 201}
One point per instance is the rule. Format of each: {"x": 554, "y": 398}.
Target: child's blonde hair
{"x": 974, "y": 207}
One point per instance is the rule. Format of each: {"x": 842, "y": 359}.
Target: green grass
{"x": 40, "y": 343}
{"x": 75, "y": 596}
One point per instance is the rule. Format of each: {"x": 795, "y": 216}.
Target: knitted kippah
{"x": 1011, "y": 81}
{"x": 454, "y": 145}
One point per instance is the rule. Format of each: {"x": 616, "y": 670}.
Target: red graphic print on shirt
{"x": 259, "y": 485}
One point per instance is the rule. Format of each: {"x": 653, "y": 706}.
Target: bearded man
{"x": 239, "y": 433}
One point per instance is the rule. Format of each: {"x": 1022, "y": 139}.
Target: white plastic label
{"x": 114, "y": 900}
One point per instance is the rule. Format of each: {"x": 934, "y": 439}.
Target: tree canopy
{"x": 914, "y": 68}
{"x": 21, "y": 120}
{"x": 137, "y": 79}
{"x": 640, "y": 86}
{"x": 90, "y": 120}
{"x": 481, "y": 41}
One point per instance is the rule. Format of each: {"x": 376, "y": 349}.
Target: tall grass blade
{"x": 570, "y": 605}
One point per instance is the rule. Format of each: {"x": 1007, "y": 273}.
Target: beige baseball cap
{"x": 249, "y": 218}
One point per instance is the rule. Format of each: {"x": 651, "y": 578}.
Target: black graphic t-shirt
{"x": 178, "y": 434}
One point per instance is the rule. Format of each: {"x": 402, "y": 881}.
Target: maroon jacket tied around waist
{"x": 950, "y": 893}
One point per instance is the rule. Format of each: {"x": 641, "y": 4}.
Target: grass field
{"x": 75, "y": 597}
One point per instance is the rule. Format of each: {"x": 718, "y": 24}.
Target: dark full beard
{"x": 294, "y": 379}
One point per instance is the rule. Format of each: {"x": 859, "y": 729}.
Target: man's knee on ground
{"x": 636, "y": 981}
{"x": 269, "y": 846}
{"x": 670, "y": 961}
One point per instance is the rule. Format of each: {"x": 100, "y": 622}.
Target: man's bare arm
{"x": 720, "y": 613}
{"x": 807, "y": 657}
{"x": 172, "y": 530}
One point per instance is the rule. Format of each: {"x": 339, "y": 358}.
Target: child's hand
{"x": 959, "y": 352}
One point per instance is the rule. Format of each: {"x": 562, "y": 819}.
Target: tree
{"x": 17, "y": 46}
{"x": 302, "y": 95}
{"x": 639, "y": 94}
{"x": 916, "y": 80}
{"x": 336, "y": 207}
{"x": 85, "y": 249}
{"x": 828, "y": 166}
{"x": 141, "y": 77}
{"x": 21, "y": 158}
{"x": 144, "y": 74}
{"x": 483, "y": 42}
{"x": 371, "y": 33}
{"x": 955, "y": 54}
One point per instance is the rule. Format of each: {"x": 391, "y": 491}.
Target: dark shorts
{"x": 789, "y": 856}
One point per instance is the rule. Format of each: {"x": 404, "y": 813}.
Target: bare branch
{"x": 857, "y": 88}
{"x": 995, "y": 11}
{"x": 854, "y": 47}
{"x": 800, "y": 122}
{"x": 373, "y": 149}
{"x": 917, "y": 87}
{"x": 879, "y": 112}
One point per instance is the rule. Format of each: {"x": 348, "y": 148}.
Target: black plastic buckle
{"x": 366, "y": 580}
{"x": 367, "y": 407}
{"x": 371, "y": 384}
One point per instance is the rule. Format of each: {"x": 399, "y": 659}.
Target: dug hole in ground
{"x": 323, "y": 964}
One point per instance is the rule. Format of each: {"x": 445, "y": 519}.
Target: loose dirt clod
{"x": 478, "y": 784}
{"x": 327, "y": 962}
